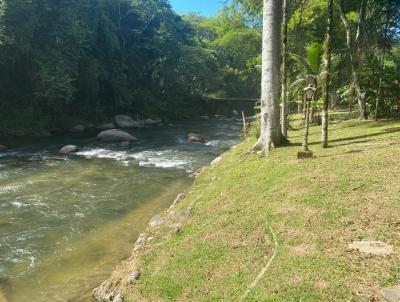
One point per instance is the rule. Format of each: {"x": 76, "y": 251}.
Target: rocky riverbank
{"x": 161, "y": 226}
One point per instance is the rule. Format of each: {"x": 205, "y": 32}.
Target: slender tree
{"x": 354, "y": 52}
{"x": 285, "y": 54}
{"x": 270, "y": 136}
{"x": 326, "y": 76}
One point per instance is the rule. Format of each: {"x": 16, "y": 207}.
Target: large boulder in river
{"x": 115, "y": 135}
{"x": 68, "y": 149}
{"x": 196, "y": 138}
{"x": 2, "y": 147}
{"x": 124, "y": 121}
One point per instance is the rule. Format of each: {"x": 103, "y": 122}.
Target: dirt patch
{"x": 303, "y": 249}
{"x": 371, "y": 247}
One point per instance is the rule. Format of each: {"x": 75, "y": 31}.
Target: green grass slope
{"x": 296, "y": 216}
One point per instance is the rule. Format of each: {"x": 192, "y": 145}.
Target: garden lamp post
{"x": 309, "y": 92}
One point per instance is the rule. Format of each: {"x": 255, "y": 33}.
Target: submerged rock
{"x": 107, "y": 126}
{"x": 115, "y": 135}
{"x": 68, "y": 149}
{"x": 156, "y": 221}
{"x": 2, "y": 296}
{"x": 196, "y": 138}
{"x": 151, "y": 122}
{"x": 125, "y": 145}
{"x": 3, "y": 147}
{"x": 78, "y": 128}
{"x": 124, "y": 121}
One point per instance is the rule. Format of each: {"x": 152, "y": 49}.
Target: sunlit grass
{"x": 348, "y": 192}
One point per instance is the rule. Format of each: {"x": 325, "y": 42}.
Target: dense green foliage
{"x": 63, "y": 62}
{"x": 374, "y": 28}
{"x": 66, "y": 62}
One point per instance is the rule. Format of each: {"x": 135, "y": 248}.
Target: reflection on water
{"x": 65, "y": 222}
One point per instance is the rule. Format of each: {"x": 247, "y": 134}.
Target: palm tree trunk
{"x": 271, "y": 135}
{"x": 378, "y": 97}
{"x": 353, "y": 53}
{"x": 284, "y": 113}
{"x": 326, "y": 77}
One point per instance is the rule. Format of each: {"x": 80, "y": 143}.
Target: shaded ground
{"x": 349, "y": 192}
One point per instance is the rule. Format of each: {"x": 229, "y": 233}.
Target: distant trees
{"x": 63, "y": 61}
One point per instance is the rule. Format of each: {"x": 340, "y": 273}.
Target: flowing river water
{"x": 67, "y": 221}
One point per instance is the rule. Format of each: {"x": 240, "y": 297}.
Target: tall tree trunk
{"x": 326, "y": 76}
{"x": 271, "y": 135}
{"x": 284, "y": 112}
{"x": 378, "y": 97}
{"x": 354, "y": 54}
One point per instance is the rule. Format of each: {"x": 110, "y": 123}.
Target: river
{"x": 67, "y": 221}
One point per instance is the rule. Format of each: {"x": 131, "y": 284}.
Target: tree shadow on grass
{"x": 351, "y": 140}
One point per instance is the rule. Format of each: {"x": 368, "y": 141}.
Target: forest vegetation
{"x": 69, "y": 62}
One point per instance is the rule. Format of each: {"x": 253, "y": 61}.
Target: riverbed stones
{"x": 184, "y": 214}
{"x": 216, "y": 161}
{"x": 115, "y": 135}
{"x": 141, "y": 239}
{"x": 196, "y": 138}
{"x": 156, "y": 221}
{"x": 124, "y": 121}
{"x": 68, "y": 149}
{"x": 3, "y": 147}
{"x": 369, "y": 247}
{"x": 135, "y": 275}
{"x": 391, "y": 294}
{"x": 176, "y": 227}
{"x": 118, "y": 298}
{"x": 178, "y": 198}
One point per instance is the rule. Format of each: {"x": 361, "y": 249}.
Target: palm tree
{"x": 303, "y": 67}
{"x": 270, "y": 136}
{"x": 284, "y": 112}
{"x": 326, "y": 76}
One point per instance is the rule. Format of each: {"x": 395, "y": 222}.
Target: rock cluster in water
{"x": 196, "y": 138}
{"x": 115, "y": 135}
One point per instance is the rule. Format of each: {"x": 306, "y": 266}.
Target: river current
{"x": 67, "y": 221}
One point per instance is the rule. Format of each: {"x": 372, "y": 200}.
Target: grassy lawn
{"x": 247, "y": 208}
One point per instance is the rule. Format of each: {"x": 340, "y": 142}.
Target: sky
{"x": 205, "y": 7}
